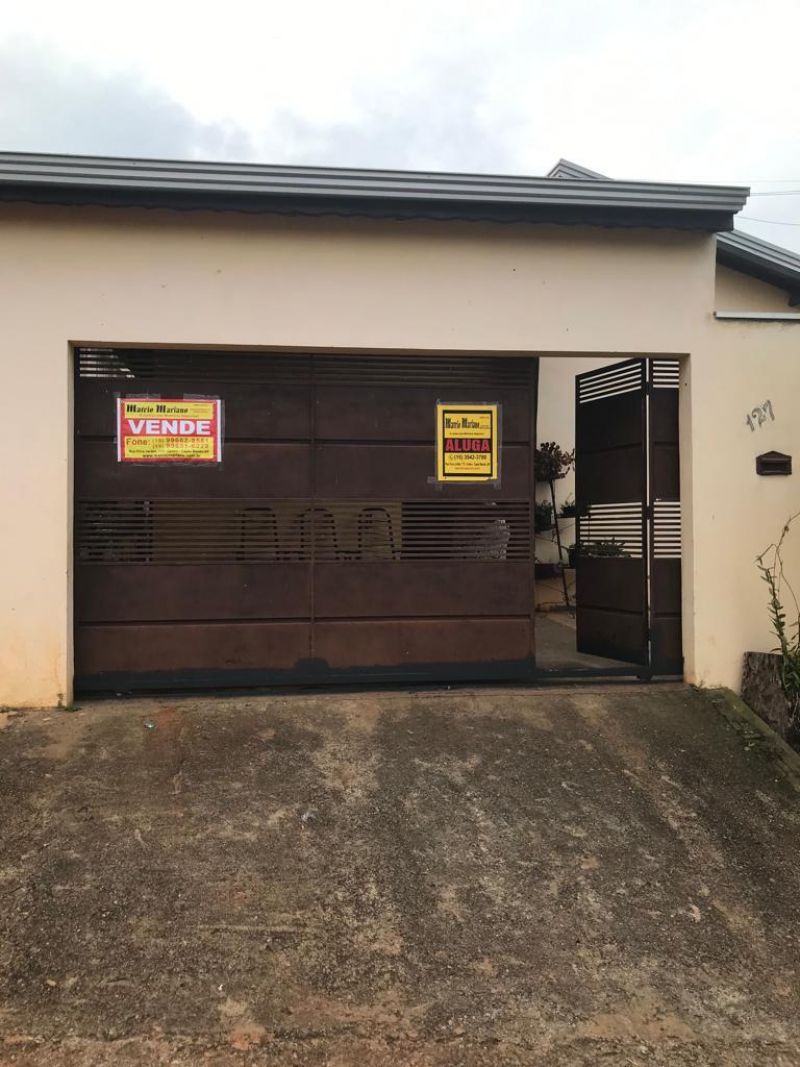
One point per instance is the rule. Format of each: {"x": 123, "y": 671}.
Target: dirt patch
{"x": 65, "y": 731}
{"x": 477, "y": 878}
{"x": 641, "y": 1018}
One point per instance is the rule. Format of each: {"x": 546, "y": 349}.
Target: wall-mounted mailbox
{"x": 773, "y": 463}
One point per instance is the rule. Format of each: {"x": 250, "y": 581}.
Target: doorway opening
{"x": 607, "y": 542}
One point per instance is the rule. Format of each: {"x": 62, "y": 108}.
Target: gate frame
{"x": 685, "y": 438}
{"x": 300, "y": 350}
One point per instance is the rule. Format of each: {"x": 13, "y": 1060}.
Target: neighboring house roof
{"x": 736, "y": 249}
{"x": 581, "y": 198}
{"x": 565, "y": 168}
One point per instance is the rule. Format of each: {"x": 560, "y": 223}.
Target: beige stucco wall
{"x": 138, "y": 277}
{"x": 740, "y": 292}
{"x": 735, "y": 513}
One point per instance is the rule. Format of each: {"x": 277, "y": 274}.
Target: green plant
{"x": 551, "y": 462}
{"x": 543, "y": 515}
{"x": 568, "y": 508}
{"x": 771, "y": 569}
{"x": 612, "y": 547}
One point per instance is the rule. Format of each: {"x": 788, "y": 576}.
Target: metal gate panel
{"x": 251, "y": 469}
{"x": 320, "y": 550}
{"x": 205, "y": 592}
{"x": 187, "y": 654}
{"x": 423, "y": 588}
{"x": 629, "y": 514}
{"x": 383, "y": 649}
{"x": 352, "y": 470}
{"x": 414, "y": 576}
{"x": 394, "y": 414}
{"x": 610, "y": 487}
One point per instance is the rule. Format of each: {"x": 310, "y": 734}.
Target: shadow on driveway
{"x": 491, "y": 876}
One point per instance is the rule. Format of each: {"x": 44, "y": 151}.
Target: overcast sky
{"x": 677, "y": 90}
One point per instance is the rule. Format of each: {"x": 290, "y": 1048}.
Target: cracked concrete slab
{"x": 472, "y": 877}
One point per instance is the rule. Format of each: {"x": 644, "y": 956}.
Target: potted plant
{"x": 569, "y": 509}
{"x": 543, "y": 515}
{"x": 609, "y": 548}
{"x": 550, "y": 463}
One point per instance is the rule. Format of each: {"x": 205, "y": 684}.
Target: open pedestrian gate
{"x": 627, "y": 492}
{"x": 321, "y": 547}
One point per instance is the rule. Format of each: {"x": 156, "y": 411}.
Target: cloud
{"x": 438, "y": 122}
{"x": 49, "y": 103}
{"x": 629, "y": 89}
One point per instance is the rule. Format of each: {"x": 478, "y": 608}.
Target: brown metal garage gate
{"x": 320, "y": 549}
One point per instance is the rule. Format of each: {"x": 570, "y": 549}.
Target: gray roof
{"x": 325, "y": 190}
{"x": 735, "y": 249}
{"x": 760, "y": 259}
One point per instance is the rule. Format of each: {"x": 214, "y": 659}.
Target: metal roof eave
{"x": 228, "y": 186}
{"x": 737, "y": 249}
{"x": 760, "y": 259}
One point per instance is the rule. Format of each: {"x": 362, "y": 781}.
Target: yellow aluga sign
{"x": 467, "y": 442}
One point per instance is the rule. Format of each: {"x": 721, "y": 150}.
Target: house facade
{"x": 329, "y": 311}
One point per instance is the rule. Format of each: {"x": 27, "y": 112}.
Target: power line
{"x": 772, "y": 222}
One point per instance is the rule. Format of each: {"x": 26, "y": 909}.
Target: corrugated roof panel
{"x": 30, "y": 176}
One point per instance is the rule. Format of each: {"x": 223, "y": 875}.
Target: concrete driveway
{"x": 490, "y": 876}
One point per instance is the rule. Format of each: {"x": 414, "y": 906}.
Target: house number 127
{"x": 758, "y": 416}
